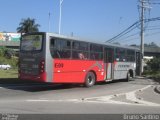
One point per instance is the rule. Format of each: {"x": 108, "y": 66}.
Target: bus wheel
{"x": 90, "y": 79}
{"x": 128, "y": 77}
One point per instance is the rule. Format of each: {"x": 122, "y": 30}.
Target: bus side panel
{"x": 48, "y": 60}
{"x": 74, "y": 71}
{"x": 121, "y": 69}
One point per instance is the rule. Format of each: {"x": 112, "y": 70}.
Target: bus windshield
{"x": 31, "y": 43}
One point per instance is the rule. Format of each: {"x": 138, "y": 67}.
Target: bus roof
{"x": 86, "y": 40}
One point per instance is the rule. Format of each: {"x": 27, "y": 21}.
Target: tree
{"x": 152, "y": 44}
{"x": 6, "y": 52}
{"x": 9, "y": 53}
{"x": 28, "y": 25}
{"x": 2, "y": 51}
{"x": 154, "y": 64}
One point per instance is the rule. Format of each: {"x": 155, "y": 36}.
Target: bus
{"x": 53, "y": 58}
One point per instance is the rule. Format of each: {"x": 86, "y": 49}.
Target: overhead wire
{"x": 124, "y": 32}
{"x": 131, "y": 28}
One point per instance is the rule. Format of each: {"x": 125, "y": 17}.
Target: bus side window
{"x": 120, "y": 55}
{"x": 96, "y": 52}
{"x": 130, "y": 55}
{"x": 80, "y": 50}
{"x": 81, "y": 56}
{"x": 55, "y": 53}
{"x": 52, "y": 42}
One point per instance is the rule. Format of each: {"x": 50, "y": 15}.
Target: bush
{"x": 154, "y": 64}
{"x": 2, "y": 51}
{"x": 7, "y": 56}
{"x": 6, "y": 52}
{"x": 153, "y": 68}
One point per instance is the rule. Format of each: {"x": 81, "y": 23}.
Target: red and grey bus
{"x": 48, "y": 57}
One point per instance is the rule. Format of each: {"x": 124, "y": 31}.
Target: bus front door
{"x": 109, "y": 63}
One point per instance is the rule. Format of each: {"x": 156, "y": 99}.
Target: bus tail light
{"x": 42, "y": 66}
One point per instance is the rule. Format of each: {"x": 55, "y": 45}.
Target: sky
{"x": 97, "y": 20}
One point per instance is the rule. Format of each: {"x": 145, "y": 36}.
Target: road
{"x": 136, "y": 96}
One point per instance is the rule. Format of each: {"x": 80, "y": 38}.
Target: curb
{"x": 157, "y": 89}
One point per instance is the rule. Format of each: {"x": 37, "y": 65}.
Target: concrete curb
{"x": 157, "y": 89}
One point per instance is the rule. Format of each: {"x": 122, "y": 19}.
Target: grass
{"x": 11, "y": 77}
{"x": 13, "y": 61}
{"x": 12, "y": 73}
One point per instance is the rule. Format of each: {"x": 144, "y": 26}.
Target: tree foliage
{"x": 154, "y": 64}
{"x": 8, "y": 56}
{"x": 28, "y": 25}
{"x": 6, "y": 52}
{"x": 152, "y": 44}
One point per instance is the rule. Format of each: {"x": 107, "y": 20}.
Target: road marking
{"x": 130, "y": 96}
{"x": 37, "y": 100}
{"x": 106, "y": 99}
{"x": 46, "y": 100}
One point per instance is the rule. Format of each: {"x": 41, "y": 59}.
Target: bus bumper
{"x": 39, "y": 78}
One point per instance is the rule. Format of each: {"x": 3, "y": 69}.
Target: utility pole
{"x": 49, "y": 21}
{"x": 142, "y": 36}
{"x": 144, "y": 4}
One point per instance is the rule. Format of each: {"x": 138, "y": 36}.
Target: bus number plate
{"x": 59, "y": 65}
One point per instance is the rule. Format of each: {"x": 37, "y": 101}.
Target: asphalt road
{"x": 136, "y": 96}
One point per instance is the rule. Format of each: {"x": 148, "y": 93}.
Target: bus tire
{"x": 128, "y": 77}
{"x": 90, "y": 79}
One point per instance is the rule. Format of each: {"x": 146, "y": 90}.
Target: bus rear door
{"x": 109, "y": 63}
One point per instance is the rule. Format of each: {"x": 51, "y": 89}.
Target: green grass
{"x": 12, "y": 73}
{"x": 11, "y": 77}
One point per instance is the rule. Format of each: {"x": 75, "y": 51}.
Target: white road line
{"x": 37, "y": 100}
{"x": 107, "y": 99}
{"x": 46, "y": 100}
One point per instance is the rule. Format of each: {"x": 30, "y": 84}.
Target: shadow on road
{"x": 31, "y": 86}
{"x": 5, "y": 81}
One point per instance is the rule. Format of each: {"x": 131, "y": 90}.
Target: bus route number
{"x": 59, "y": 65}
